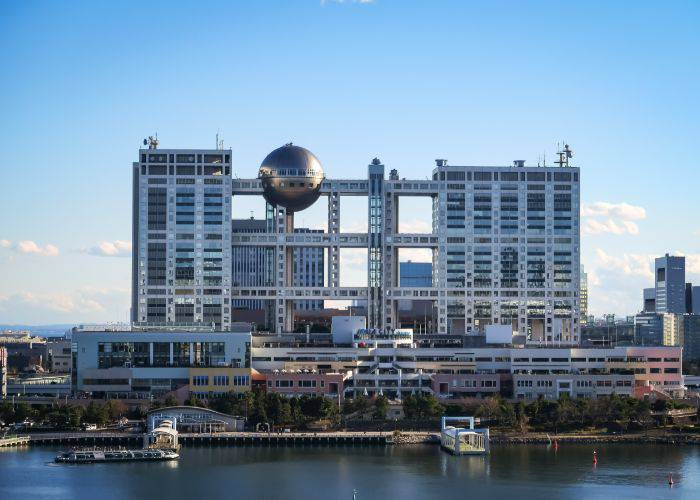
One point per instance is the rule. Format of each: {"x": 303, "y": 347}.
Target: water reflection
{"x": 528, "y": 472}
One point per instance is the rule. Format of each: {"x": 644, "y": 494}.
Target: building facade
{"x": 397, "y": 369}
{"x": 139, "y": 364}
{"x": 251, "y": 265}
{"x": 583, "y": 297}
{"x": 181, "y": 262}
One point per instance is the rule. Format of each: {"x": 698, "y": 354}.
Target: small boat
{"x": 89, "y": 456}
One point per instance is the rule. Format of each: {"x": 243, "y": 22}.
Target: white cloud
{"x": 627, "y": 264}
{"x": 86, "y": 304}
{"x": 594, "y": 226}
{"x": 117, "y": 248}
{"x": 623, "y": 210}
{"x": 614, "y": 218}
{"x": 415, "y": 226}
{"x": 692, "y": 262}
{"x": 29, "y": 247}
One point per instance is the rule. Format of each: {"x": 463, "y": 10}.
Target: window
{"x": 221, "y": 380}
{"x": 199, "y": 380}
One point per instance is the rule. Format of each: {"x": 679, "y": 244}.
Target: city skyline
{"x": 65, "y": 237}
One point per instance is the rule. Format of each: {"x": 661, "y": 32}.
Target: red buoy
{"x": 595, "y": 458}
{"x": 556, "y": 445}
{"x": 670, "y": 479}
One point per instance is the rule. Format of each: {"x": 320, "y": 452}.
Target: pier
{"x": 220, "y": 439}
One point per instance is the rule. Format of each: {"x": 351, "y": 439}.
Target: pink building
{"x": 447, "y": 385}
{"x": 297, "y": 383}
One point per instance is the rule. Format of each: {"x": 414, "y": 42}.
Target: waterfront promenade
{"x": 218, "y": 439}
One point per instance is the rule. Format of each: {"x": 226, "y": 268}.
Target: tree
{"x": 330, "y": 411}
{"x": 422, "y": 406}
{"x": 521, "y": 418}
{"x": 194, "y": 401}
{"x": 381, "y": 407}
{"x": 567, "y": 413}
{"x": 96, "y": 414}
{"x": 170, "y": 400}
{"x": 115, "y": 409}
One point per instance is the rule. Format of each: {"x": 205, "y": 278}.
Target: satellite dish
{"x": 145, "y": 142}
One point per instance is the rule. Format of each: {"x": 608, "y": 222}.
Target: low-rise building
{"x": 191, "y": 419}
{"x": 300, "y": 382}
{"x": 58, "y": 356}
{"x": 39, "y": 385}
{"x": 215, "y": 381}
{"x": 141, "y": 364}
{"x": 397, "y": 371}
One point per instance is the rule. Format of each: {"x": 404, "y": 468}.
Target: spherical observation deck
{"x": 291, "y": 177}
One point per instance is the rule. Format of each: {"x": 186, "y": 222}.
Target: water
{"x": 515, "y": 472}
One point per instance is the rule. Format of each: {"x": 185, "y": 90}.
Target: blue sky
{"x": 477, "y": 83}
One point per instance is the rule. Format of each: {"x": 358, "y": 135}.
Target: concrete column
{"x": 334, "y": 229}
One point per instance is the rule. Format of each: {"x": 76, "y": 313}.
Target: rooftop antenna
{"x": 151, "y": 142}
{"x": 564, "y": 155}
{"x": 219, "y": 143}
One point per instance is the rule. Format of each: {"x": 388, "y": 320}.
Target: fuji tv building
{"x": 505, "y": 255}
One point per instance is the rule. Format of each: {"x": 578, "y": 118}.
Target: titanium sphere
{"x": 291, "y": 177}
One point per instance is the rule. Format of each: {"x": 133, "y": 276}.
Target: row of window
{"x": 286, "y": 384}
{"x": 221, "y": 380}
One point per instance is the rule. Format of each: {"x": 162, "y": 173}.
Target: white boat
{"x": 88, "y": 456}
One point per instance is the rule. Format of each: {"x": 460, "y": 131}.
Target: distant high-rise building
{"x": 308, "y": 271}
{"x": 181, "y": 263}
{"x": 669, "y": 273}
{"x": 583, "y": 296}
{"x": 673, "y": 329}
{"x": 649, "y": 329}
{"x": 649, "y": 305}
{"x": 691, "y": 336}
{"x": 416, "y": 274}
{"x": 695, "y": 300}
{"x": 251, "y": 264}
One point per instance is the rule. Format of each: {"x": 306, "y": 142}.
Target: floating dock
{"x": 463, "y": 441}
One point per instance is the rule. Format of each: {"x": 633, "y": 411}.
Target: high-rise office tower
{"x": 669, "y": 273}
{"x": 583, "y": 297}
{"x": 181, "y": 266}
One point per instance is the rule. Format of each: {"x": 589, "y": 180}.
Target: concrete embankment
{"x": 538, "y": 438}
{"x": 403, "y": 438}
